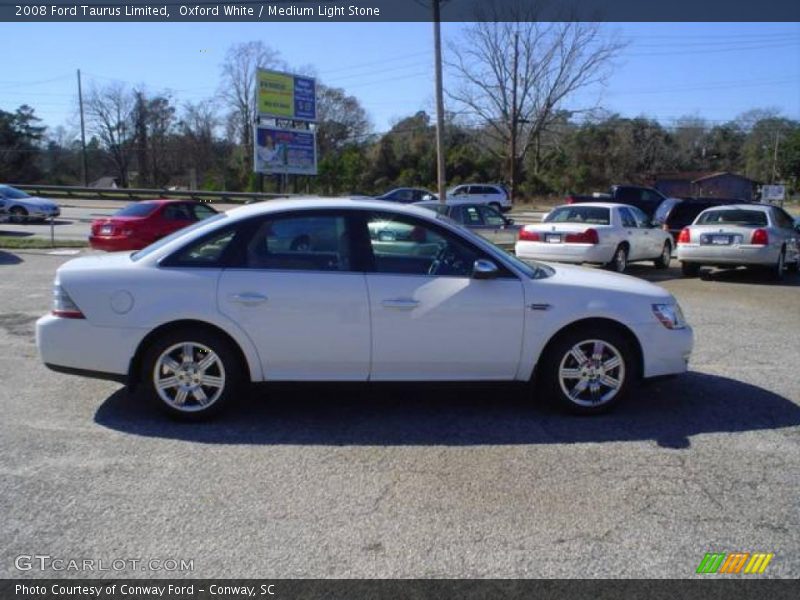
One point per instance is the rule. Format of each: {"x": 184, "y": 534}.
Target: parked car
{"x": 19, "y": 207}
{"x": 407, "y": 195}
{"x": 673, "y": 214}
{"x": 472, "y": 193}
{"x": 141, "y": 223}
{"x": 646, "y": 199}
{"x": 195, "y": 316}
{"x": 750, "y": 235}
{"x": 482, "y": 219}
{"x": 599, "y": 233}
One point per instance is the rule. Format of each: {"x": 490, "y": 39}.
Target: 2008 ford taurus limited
{"x": 326, "y": 290}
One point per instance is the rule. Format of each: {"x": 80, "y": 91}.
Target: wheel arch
{"x": 617, "y": 326}
{"x": 135, "y": 366}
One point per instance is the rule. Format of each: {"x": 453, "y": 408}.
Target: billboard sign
{"x": 773, "y": 193}
{"x": 285, "y": 151}
{"x": 286, "y": 96}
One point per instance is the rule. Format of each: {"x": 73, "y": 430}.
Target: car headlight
{"x": 670, "y": 315}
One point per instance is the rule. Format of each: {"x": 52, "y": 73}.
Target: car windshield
{"x": 136, "y": 209}
{"x": 597, "y": 215}
{"x": 12, "y": 193}
{"x": 173, "y": 236}
{"x": 743, "y": 217}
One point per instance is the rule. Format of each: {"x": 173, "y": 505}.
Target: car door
{"x": 175, "y": 216}
{"x": 788, "y": 233}
{"x": 652, "y": 239}
{"x": 637, "y": 242}
{"x": 303, "y": 304}
{"x": 503, "y": 233}
{"x": 431, "y": 320}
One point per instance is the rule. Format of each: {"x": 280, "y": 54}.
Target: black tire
{"x": 228, "y": 369}
{"x": 779, "y": 268}
{"x": 795, "y": 266}
{"x": 560, "y": 353}
{"x": 18, "y": 214}
{"x": 619, "y": 262}
{"x": 690, "y": 269}
{"x": 662, "y": 262}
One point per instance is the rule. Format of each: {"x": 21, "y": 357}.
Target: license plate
{"x": 551, "y": 238}
{"x": 106, "y": 230}
{"x": 721, "y": 240}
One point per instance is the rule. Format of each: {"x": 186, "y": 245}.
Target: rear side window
{"x": 137, "y": 209}
{"x": 745, "y": 218}
{"x": 596, "y": 215}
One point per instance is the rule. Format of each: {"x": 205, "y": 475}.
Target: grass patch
{"x": 24, "y": 243}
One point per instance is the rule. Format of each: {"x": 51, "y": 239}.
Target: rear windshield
{"x": 746, "y": 218}
{"x": 596, "y": 215}
{"x": 136, "y": 209}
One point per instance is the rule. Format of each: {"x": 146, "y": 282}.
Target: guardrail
{"x": 68, "y": 191}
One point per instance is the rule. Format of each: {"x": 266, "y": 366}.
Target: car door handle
{"x": 401, "y": 303}
{"x": 248, "y": 298}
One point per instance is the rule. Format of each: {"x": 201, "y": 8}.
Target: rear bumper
{"x": 743, "y": 254}
{"x": 569, "y": 253}
{"x": 114, "y": 243}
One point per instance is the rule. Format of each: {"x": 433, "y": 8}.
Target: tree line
{"x": 509, "y": 122}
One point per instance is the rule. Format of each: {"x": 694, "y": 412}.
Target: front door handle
{"x": 401, "y": 303}
{"x": 248, "y": 298}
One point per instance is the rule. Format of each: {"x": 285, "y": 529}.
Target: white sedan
{"x": 597, "y": 233}
{"x": 200, "y": 313}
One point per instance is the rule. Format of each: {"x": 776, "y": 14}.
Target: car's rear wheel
{"x": 18, "y": 214}
{"x": 588, "y": 371}
{"x": 795, "y": 266}
{"x": 192, "y": 374}
{"x": 620, "y": 260}
{"x": 662, "y": 262}
{"x": 690, "y": 269}
{"x": 778, "y": 269}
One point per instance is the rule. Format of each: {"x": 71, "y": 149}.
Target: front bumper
{"x": 665, "y": 351}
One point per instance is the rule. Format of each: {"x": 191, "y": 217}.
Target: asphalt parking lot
{"x": 415, "y": 481}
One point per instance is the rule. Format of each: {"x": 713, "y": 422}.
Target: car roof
{"x": 322, "y": 203}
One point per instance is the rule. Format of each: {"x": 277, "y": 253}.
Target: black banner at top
{"x": 400, "y": 10}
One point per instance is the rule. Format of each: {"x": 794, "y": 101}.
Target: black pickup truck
{"x": 644, "y": 198}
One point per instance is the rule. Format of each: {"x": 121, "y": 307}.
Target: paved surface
{"x": 405, "y": 481}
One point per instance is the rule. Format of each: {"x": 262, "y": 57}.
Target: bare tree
{"x": 109, "y": 110}
{"x": 514, "y": 73}
{"x": 197, "y": 126}
{"x": 341, "y": 119}
{"x": 238, "y": 86}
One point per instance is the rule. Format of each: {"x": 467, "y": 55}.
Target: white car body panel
{"x": 334, "y": 325}
{"x": 645, "y": 243}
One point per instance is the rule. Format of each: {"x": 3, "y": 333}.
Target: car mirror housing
{"x": 484, "y": 269}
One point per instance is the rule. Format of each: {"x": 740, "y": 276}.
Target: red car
{"x": 140, "y": 224}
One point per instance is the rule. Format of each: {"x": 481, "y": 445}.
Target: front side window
{"x": 403, "y": 245}
{"x": 177, "y": 212}
{"x": 300, "y": 243}
{"x": 201, "y": 211}
{"x": 492, "y": 217}
{"x": 627, "y": 217}
{"x": 641, "y": 219}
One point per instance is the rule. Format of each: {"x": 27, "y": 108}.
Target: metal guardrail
{"x": 68, "y": 191}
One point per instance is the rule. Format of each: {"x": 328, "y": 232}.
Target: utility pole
{"x": 83, "y": 133}
{"x": 775, "y": 157}
{"x": 512, "y": 158}
{"x": 437, "y": 47}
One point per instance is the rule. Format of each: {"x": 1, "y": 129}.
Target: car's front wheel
{"x": 587, "y": 371}
{"x": 192, "y": 374}
{"x": 18, "y": 215}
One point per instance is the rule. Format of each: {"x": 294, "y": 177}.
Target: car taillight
{"x": 586, "y": 237}
{"x": 529, "y": 236}
{"x": 684, "y": 236}
{"x": 63, "y": 305}
{"x": 760, "y": 238}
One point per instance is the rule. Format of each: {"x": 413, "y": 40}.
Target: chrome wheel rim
{"x": 619, "y": 260}
{"x": 189, "y": 377}
{"x": 591, "y": 373}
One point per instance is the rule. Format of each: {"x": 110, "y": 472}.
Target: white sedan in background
{"x": 225, "y": 302}
{"x": 749, "y": 235}
{"x": 598, "y": 233}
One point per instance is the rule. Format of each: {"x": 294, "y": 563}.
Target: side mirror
{"x": 509, "y": 221}
{"x": 484, "y": 269}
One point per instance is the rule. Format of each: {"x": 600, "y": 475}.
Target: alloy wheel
{"x": 591, "y": 373}
{"x": 189, "y": 377}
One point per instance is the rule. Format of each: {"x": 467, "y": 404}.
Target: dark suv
{"x": 673, "y": 214}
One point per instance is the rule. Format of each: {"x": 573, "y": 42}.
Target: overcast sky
{"x": 710, "y": 70}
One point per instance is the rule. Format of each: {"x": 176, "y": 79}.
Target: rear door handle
{"x": 401, "y": 303}
{"x": 248, "y": 298}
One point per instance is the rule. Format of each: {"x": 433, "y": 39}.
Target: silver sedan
{"x": 749, "y": 235}
{"x": 19, "y": 207}
{"x": 482, "y": 219}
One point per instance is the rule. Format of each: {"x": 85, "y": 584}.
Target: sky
{"x": 714, "y": 71}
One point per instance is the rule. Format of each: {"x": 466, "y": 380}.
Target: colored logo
{"x": 734, "y": 562}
